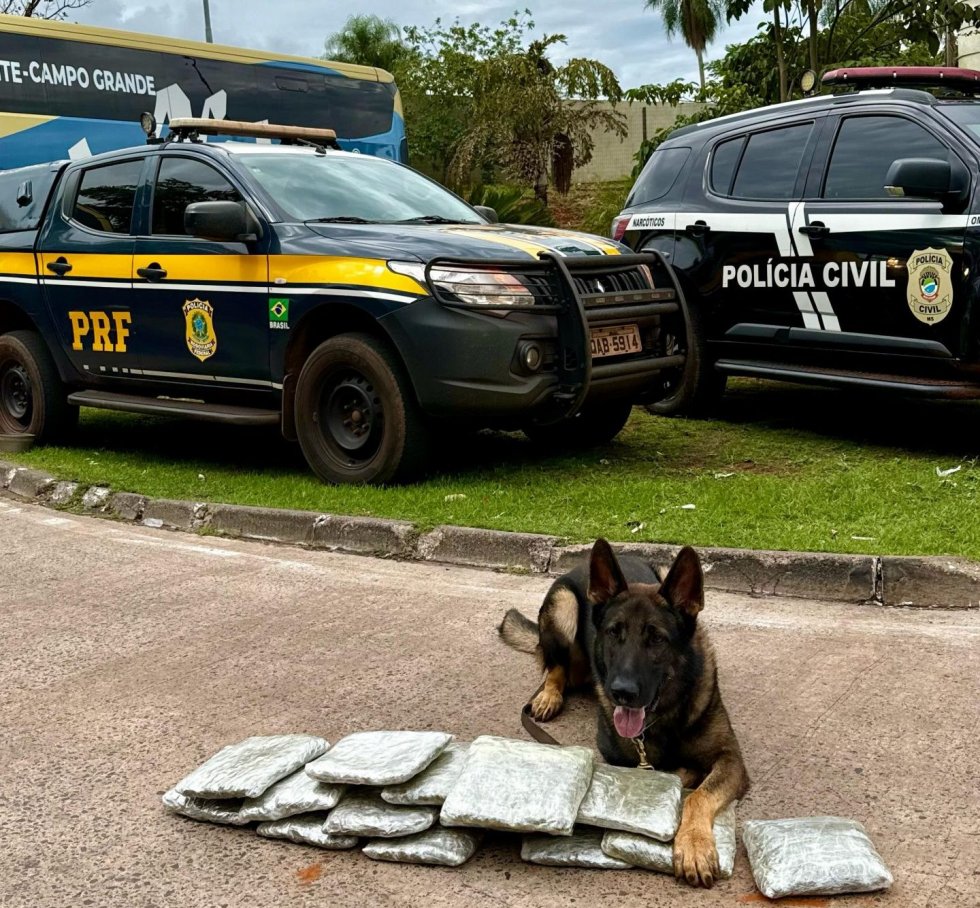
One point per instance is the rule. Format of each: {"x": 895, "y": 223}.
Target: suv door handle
{"x": 698, "y": 228}
{"x": 815, "y": 230}
{"x": 59, "y": 266}
{"x": 152, "y": 272}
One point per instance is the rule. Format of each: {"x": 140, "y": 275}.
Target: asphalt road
{"x": 128, "y": 655}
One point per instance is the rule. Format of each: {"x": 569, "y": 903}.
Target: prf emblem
{"x": 930, "y": 292}
{"x": 201, "y": 339}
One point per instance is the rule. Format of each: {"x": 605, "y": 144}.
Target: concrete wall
{"x": 968, "y": 45}
{"x": 612, "y": 157}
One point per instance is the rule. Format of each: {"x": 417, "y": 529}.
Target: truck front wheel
{"x": 356, "y": 416}
{"x": 33, "y": 399}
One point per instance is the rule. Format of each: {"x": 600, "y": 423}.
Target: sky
{"x": 625, "y": 36}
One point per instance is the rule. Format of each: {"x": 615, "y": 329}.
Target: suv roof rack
{"x": 191, "y": 127}
{"x": 966, "y": 81}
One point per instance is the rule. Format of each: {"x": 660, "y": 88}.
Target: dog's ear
{"x": 606, "y": 578}
{"x": 684, "y": 586}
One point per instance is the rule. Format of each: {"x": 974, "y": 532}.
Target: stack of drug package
{"x": 421, "y": 797}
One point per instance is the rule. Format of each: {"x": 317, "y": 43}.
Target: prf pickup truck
{"x": 347, "y": 299}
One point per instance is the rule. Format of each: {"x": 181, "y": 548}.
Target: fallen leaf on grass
{"x": 949, "y": 472}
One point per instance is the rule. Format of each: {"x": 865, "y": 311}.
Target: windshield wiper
{"x": 341, "y": 219}
{"x": 433, "y": 219}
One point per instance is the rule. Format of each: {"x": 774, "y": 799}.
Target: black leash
{"x": 532, "y": 727}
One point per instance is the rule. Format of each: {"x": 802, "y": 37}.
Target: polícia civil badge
{"x": 199, "y": 318}
{"x": 930, "y": 291}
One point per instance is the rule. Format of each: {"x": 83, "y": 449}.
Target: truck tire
{"x": 593, "y": 426}
{"x": 33, "y": 399}
{"x": 697, "y": 387}
{"x": 356, "y": 416}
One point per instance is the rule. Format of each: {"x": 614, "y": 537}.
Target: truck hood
{"x": 424, "y": 242}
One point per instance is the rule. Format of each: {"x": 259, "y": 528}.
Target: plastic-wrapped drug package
{"x": 438, "y": 846}
{"x": 813, "y": 856}
{"x": 583, "y": 848}
{"x": 379, "y": 757}
{"x": 430, "y": 786}
{"x": 227, "y": 812}
{"x": 306, "y": 829}
{"x": 519, "y": 786}
{"x": 248, "y": 768}
{"x": 296, "y": 794}
{"x": 363, "y": 813}
{"x": 643, "y": 801}
{"x": 653, "y": 855}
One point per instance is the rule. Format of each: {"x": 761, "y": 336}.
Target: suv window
{"x": 771, "y": 163}
{"x": 659, "y": 175}
{"x": 865, "y": 149}
{"x": 724, "y": 160}
{"x": 105, "y": 197}
{"x": 181, "y": 181}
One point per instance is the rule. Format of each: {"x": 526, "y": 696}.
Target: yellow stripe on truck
{"x": 327, "y": 270}
{"x": 91, "y": 265}
{"x": 189, "y": 269}
{"x": 20, "y": 263}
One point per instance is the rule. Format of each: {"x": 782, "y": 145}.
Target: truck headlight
{"x": 473, "y": 285}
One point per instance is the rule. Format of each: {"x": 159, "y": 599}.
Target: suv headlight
{"x": 474, "y": 286}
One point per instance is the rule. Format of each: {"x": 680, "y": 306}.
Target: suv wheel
{"x": 356, "y": 416}
{"x": 697, "y": 387}
{"x": 595, "y": 425}
{"x": 33, "y": 399}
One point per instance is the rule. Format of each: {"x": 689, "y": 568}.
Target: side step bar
{"x": 189, "y": 409}
{"x": 929, "y": 387}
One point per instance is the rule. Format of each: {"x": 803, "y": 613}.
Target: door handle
{"x": 816, "y": 230}
{"x": 698, "y": 228}
{"x": 152, "y": 272}
{"x": 59, "y": 266}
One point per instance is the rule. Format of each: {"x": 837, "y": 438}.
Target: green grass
{"x": 780, "y": 468}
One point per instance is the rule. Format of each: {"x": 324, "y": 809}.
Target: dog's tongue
{"x": 628, "y": 721}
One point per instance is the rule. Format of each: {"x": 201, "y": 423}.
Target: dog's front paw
{"x": 546, "y": 704}
{"x": 696, "y": 858}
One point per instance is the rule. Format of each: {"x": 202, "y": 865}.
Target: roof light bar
{"x": 190, "y": 126}
{"x": 951, "y": 77}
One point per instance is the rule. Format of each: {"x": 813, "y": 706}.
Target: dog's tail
{"x": 519, "y": 632}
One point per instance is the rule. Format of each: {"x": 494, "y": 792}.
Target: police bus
{"x": 69, "y": 91}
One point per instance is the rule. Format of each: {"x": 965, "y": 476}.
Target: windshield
{"x": 353, "y": 189}
{"x": 965, "y": 113}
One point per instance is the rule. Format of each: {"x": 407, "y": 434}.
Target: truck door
{"x": 204, "y": 302}
{"x": 734, "y": 240}
{"x": 86, "y": 257}
{"x": 889, "y": 270}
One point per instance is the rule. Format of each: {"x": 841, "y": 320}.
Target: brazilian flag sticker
{"x": 279, "y": 313}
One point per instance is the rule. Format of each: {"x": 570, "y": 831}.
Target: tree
{"x": 41, "y": 9}
{"x": 850, "y": 33}
{"x": 484, "y": 102}
{"x": 367, "y": 40}
{"x": 696, "y": 20}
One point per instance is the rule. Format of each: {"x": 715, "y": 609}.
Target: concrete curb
{"x": 922, "y": 582}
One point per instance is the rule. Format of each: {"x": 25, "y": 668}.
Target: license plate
{"x": 615, "y": 341}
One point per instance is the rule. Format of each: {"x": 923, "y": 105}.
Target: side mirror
{"x": 223, "y": 220}
{"x": 923, "y": 178}
{"x": 489, "y": 213}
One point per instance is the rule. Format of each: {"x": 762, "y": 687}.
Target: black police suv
{"x": 829, "y": 240}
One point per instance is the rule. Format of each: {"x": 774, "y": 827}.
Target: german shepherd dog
{"x": 639, "y": 642}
